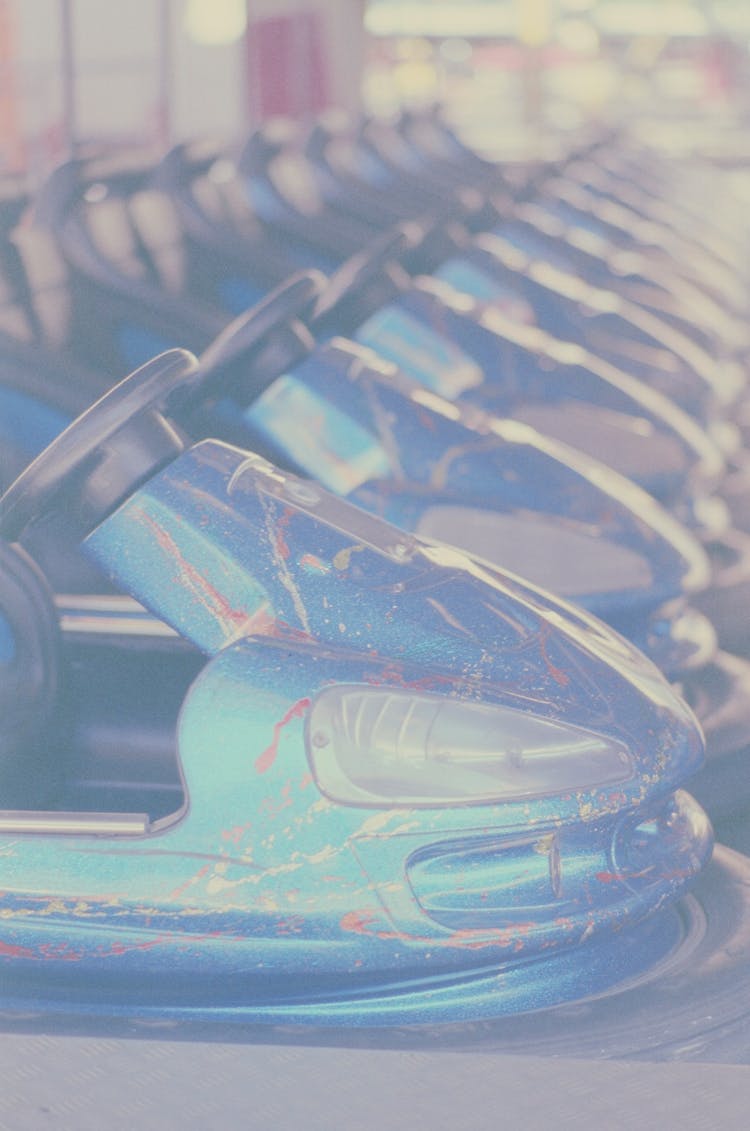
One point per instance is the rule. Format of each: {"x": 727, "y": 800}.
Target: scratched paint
{"x": 281, "y": 553}
{"x": 314, "y": 563}
{"x": 267, "y": 757}
{"x": 262, "y": 870}
{"x": 242, "y": 620}
{"x": 342, "y": 558}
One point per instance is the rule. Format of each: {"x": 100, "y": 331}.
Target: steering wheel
{"x": 266, "y": 143}
{"x": 106, "y": 452}
{"x": 124, "y": 438}
{"x": 293, "y": 299}
{"x": 359, "y": 272}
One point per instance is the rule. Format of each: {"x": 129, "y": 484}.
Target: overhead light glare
{"x": 215, "y": 23}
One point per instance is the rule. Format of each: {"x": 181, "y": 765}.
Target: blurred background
{"x": 517, "y": 75}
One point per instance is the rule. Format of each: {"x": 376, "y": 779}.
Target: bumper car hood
{"x": 378, "y": 717}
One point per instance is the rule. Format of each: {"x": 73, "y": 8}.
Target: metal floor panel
{"x": 83, "y": 1084}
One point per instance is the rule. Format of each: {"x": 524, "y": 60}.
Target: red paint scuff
{"x": 557, "y": 674}
{"x": 266, "y": 759}
{"x": 310, "y": 561}
{"x": 356, "y": 921}
{"x": 259, "y": 621}
{"x": 8, "y": 950}
{"x": 178, "y": 891}
{"x": 361, "y": 923}
{"x": 282, "y": 546}
{"x": 394, "y": 675}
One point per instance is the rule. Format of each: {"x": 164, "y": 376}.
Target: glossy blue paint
{"x": 262, "y": 898}
{"x": 541, "y": 235}
{"x": 495, "y": 488}
{"x": 216, "y": 463}
{"x": 453, "y": 343}
{"x": 8, "y": 646}
{"x": 607, "y": 325}
{"x": 491, "y": 486}
{"x": 613, "y": 198}
{"x": 556, "y": 297}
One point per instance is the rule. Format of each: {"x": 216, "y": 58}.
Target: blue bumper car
{"x": 493, "y": 487}
{"x": 412, "y": 788}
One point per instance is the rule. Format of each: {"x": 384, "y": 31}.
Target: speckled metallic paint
{"x": 365, "y": 430}
{"x": 688, "y": 474}
{"x": 555, "y": 295}
{"x": 522, "y": 364}
{"x": 425, "y": 453}
{"x": 263, "y": 899}
{"x": 614, "y": 336}
{"x": 605, "y": 324}
{"x": 416, "y": 452}
{"x": 369, "y": 431}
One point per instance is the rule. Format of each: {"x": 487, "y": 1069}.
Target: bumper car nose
{"x": 494, "y": 488}
{"x": 378, "y": 716}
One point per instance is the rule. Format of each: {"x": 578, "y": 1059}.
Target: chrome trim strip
{"x": 108, "y": 615}
{"x": 73, "y": 824}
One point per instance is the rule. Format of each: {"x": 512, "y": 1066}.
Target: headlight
{"x": 376, "y": 747}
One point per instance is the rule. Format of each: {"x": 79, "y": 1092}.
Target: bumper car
{"x": 206, "y": 195}
{"x": 559, "y": 301}
{"x": 675, "y": 289}
{"x": 531, "y": 263}
{"x": 128, "y": 305}
{"x": 361, "y": 172}
{"x": 547, "y": 232}
{"x": 501, "y": 492}
{"x": 595, "y": 190}
{"x": 502, "y": 279}
{"x": 411, "y": 788}
{"x": 496, "y": 499}
{"x": 426, "y": 333}
{"x": 153, "y": 290}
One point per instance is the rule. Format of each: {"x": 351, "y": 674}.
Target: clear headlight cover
{"x": 382, "y": 747}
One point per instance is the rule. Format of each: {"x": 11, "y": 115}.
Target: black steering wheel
{"x": 293, "y": 299}
{"x": 359, "y": 272}
{"x": 115, "y": 445}
{"x": 124, "y": 438}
